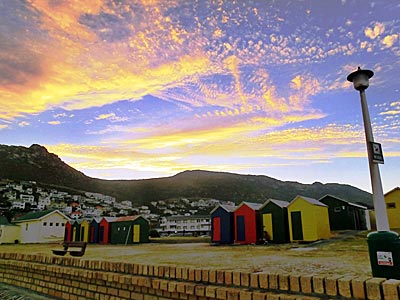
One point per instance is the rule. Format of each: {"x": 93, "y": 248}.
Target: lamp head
{"x": 360, "y": 78}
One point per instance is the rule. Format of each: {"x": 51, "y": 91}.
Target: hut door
{"x": 297, "y": 225}
{"x": 82, "y": 233}
{"x": 241, "y": 233}
{"x": 217, "y": 229}
{"x": 74, "y": 234}
{"x": 65, "y": 235}
{"x": 136, "y": 233}
{"x": 267, "y": 223}
{"x": 101, "y": 234}
{"x": 92, "y": 234}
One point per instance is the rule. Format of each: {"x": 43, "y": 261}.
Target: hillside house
{"x": 392, "y": 199}
{"x": 42, "y": 227}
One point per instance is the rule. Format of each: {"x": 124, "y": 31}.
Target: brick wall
{"x": 74, "y": 278}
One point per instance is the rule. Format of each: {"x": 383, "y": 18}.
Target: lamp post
{"x": 383, "y": 245}
{"x": 360, "y": 79}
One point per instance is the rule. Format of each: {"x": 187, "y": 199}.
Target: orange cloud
{"x": 389, "y": 40}
{"x": 374, "y": 32}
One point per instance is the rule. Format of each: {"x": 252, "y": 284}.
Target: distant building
{"x": 186, "y": 225}
{"x": 42, "y": 227}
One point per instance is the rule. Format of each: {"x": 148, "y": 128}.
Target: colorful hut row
{"x": 109, "y": 230}
{"x": 302, "y": 219}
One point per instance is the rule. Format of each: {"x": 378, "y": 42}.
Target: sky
{"x": 123, "y": 89}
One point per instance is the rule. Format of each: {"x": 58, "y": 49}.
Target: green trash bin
{"x": 384, "y": 254}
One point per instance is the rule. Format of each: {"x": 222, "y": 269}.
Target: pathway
{"x": 8, "y": 292}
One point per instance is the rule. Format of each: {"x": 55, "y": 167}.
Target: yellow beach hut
{"x": 392, "y": 199}
{"x": 308, "y": 219}
{"x": 9, "y": 233}
{"x": 85, "y": 225}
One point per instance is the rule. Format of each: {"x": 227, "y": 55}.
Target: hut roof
{"x": 252, "y": 205}
{"x": 280, "y": 203}
{"x": 345, "y": 201}
{"x": 37, "y": 215}
{"x": 310, "y": 200}
{"x": 392, "y": 190}
{"x": 228, "y": 208}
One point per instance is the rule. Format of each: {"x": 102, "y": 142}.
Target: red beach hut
{"x": 104, "y": 230}
{"x": 68, "y": 231}
{"x": 247, "y": 223}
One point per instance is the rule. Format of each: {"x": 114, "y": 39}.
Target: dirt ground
{"x": 345, "y": 255}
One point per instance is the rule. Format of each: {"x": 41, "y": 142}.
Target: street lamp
{"x": 383, "y": 245}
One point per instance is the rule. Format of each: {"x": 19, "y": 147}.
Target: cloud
{"x": 389, "y": 40}
{"x": 375, "y": 31}
{"x": 23, "y": 124}
{"x": 54, "y": 122}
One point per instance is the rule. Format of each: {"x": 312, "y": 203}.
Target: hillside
{"x": 37, "y": 164}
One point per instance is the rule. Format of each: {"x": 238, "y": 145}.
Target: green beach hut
{"x": 274, "y": 221}
{"x": 130, "y": 230}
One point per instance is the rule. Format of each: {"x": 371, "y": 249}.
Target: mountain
{"x": 37, "y": 164}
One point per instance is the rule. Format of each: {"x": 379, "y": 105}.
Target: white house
{"x": 27, "y": 198}
{"x": 42, "y": 227}
{"x": 18, "y": 205}
{"x": 186, "y": 225}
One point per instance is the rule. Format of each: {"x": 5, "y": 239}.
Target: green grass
{"x": 344, "y": 257}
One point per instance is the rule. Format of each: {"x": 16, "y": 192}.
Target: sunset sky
{"x": 122, "y": 89}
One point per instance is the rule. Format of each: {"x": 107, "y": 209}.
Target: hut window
{"x": 45, "y": 224}
{"x": 391, "y": 205}
{"x": 119, "y": 229}
{"x": 51, "y": 224}
{"x": 62, "y": 224}
{"x": 337, "y": 209}
{"x": 57, "y": 224}
{"x": 124, "y": 228}
{"x": 26, "y": 226}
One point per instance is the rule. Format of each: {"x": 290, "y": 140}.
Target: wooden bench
{"x": 78, "y": 249}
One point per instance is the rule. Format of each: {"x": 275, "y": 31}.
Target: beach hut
{"x": 68, "y": 231}
{"x": 308, "y": 219}
{"x": 129, "y": 230}
{"x": 392, "y": 199}
{"x": 94, "y": 230}
{"x": 275, "y": 225}
{"x": 84, "y": 236}
{"x": 104, "y": 229}
{"x": 76, "y": 231}
{"x": 9, "y": 233}
{"x": 42, "y": 226}
{"x": 222, "y": 224}
{"x": 247, "y": 223}
{"x": 344, "y": 215}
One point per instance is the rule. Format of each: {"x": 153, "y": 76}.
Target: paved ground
{"x": 8, "y": 292}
